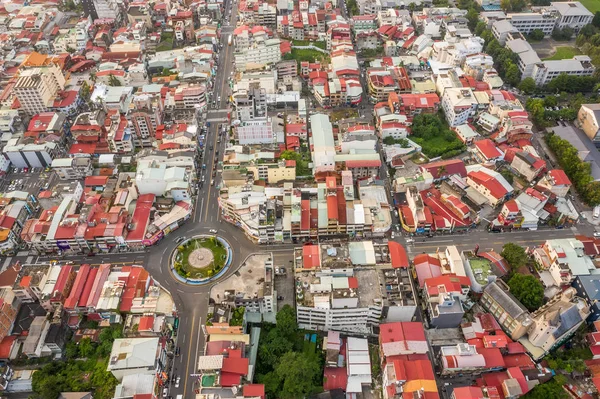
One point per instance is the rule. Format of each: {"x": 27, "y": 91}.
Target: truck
{"x": 229, "y": 41}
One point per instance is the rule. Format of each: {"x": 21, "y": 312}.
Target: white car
{"x": 212, "y": 231}
{"x": 177, "y": 382}
{"x": 596, "y": 233}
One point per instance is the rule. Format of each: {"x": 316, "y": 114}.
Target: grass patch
{"x": 319, "y": 44}
{"x": 306, "y": 55}
{"x": 183, "y": 267}
{"x": 591, "y": 5}
{"x": 564, "y": 53}
{"x": 165, "y": 45}
{"x": 343, "y": 113}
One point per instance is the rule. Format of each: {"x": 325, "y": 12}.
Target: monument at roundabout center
{"x": 201, "y": 259}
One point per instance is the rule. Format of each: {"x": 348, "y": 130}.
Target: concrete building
{"x": 527, "y": 22}
{"x": 37, "y": 87}
{"x": 157, "y": 178}
{"x": 351, "y": 288}
{"x": 572, "y": 14}
{"x": 459, "y": 105}
{"x": 259, "y": 131}
{"x": 31, "y": 155}
{"x": 136, "y": 356}
{"x": 72, "y": 168}
{"x": 259, "y": 54}
{"x": 323, "y": 145}
{"x": 443, "y": 296}
{"x": 580, "y": 65}
{"x": 250, "y": 104}
{"x": 588, "y": 119}
{"x": 501, "y": 30}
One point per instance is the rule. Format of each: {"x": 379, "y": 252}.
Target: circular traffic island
{"x": 200, "y": 258}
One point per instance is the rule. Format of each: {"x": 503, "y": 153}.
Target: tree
{"x": 480, "y": 28}
{"x": 113, "y": 81}
{"x": 237, "y": 318}
{"x": 300, "y": 374}
{"x": 274, "y": 347}
{"x": 596, "y": 20}
{"x": 551, "y": 389}
{"x": 537, "y": 35}
{"x": 389, "y": 140}
{"x": 527, "y": 289}
{"x": 512, "y": 75}
{"x": 286, "y": 321}
{"x": 588, "y": 30}
{"x": 473, "y": 18}
{"x": 85, "y": 91}
{"x": 86, "y": 348}
{"x": 515, "y": 255}
{"x": 527, "y": 85}
{"x": 93, "y": 76}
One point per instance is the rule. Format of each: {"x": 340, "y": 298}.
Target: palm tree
{"x": 113, "y": 81}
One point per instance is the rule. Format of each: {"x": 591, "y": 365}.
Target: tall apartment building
{"x": 37, "y": 87}
{"x": 251, "y": 104}
{"x": 100, "y": 9}
{"x": 351, "y": 287}
{"x": 144, "y": 115}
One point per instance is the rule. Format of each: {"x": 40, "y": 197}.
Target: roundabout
{"x": 201, "y": 259}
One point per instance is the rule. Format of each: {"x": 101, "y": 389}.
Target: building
{"x": 136, "y": 356}
{"x": 557, "y": 182}
{"x": 443, "y": 296}
{"x": 259, "y": 54}
{"x": 101, "y": 9}
{"x": 258, "y": 131}
{"x": 337, "y": 289}
{"x": 250, "y": 104}
{"x": 72, "y": 168}
{"x": 459, "y": 105}
{"x": 580, "y": 65}
{"x": 32, "y": 155}
{"x": 37, "y": 87}
{"x": 527, "y": 22}
{"x": 543, "y": 330}
{"x": 572, "y": 14}
{"x": 588, "y": 119}
{"x": 512, "y": 316}
{"x": 528, "y": 166}
{"x": 502, "y": 29}
{"x": 323, "y": 145}
{"x": 564, "y": 259}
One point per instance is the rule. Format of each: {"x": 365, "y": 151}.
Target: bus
{"x": 230, "y": 39}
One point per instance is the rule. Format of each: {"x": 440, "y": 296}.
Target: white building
{"x": 580, "y": 65}
{"x": 259, "y": 54}
{"x": 156, "y": 178}
{"x": 135, "y": 356}
{"x": 572, "y": 14}
{"x": 459, "y": 105}
{"x": 529, "y": 21}
{"x": 323, "y": 154}
{"x": 72, "y": 168}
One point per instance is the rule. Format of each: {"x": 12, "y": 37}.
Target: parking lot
{"x": 284, "y": 283}
{"x": 32, "y": 180}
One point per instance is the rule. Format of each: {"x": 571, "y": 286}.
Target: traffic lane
{"x": 490, "y": 240}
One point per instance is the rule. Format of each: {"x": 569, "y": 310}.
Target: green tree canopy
{"x": 515, "y": 255}
{"x": 527, "y": 85}
{"x": 286, "y": 321}
{"x": 274, "y": 347}
{"x": 537, "y": 35}
{"x": 299, "y": 374}
{"x": 551, "y": 389}
{"x": 596, "y": 20}
{"x": 528, "y": 290}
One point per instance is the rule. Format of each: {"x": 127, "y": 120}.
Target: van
{"x": 179, "y": 396}
{"x": 596, "y": 212}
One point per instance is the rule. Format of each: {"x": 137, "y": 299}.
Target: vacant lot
{"x": 563, "y": 53}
